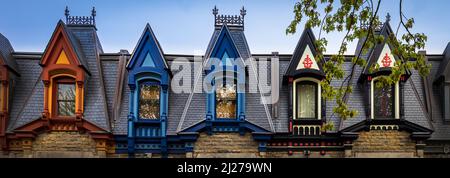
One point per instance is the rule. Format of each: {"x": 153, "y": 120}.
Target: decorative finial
{"x": 94, "y": 12}
{"x": 243, "y": 11}
{"x": 215, "y": 11}
{"x": 67, "y": 12}
{"x": 388, "y": 17}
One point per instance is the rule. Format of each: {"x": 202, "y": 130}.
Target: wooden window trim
{"x": 297, "y": 103}
{"x": 55, "y": 108}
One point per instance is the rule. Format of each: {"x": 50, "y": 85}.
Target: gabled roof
{"x": 61, "y": 32}
{"x": 28, "y": 95}
{"x": 444, "y": 67}
{"x": 147, "y": 41}
{"x": 306, "y": 41}
{"x": 375, "y": 53}
{"x": 5, "y": 53}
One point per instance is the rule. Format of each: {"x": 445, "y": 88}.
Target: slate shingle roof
{"x": 28, "y": 91}
{"x": 441, "y": 129}
{"x": 6, "y": 50}
{"x": 95, "y": 106}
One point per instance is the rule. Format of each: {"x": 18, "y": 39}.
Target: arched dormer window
{"x": 64, "y": 73}
{"x": 226, "y": 72}
{"x": 303, "y": 78}
{"x": 385, "y": 101}
{"x": 148, "y": 80}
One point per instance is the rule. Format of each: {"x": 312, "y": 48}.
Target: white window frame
{"x": 294, "y": 93}
{"x": 396, "y": 99}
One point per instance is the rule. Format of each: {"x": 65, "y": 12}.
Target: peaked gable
{"x": 63, "y": 44}
{"x": 382, "y": 53}
{"x": 224, "y": 47}
{"x": 303, "y": 60}
{"x": 148, "y": 52}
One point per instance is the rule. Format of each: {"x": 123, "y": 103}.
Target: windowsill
{"x": 149, "y": 121}
{"x": 307, "y": 121}
{"x": 64, "y": 117}
{"x": 226, "y": 119}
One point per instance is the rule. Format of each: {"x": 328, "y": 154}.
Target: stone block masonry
{"x": 384, "y": 144}
{"x": 226, "y": 145}
{"x": 64, "y": 144}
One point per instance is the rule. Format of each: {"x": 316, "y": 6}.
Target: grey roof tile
{"x": 95, "y": 109}
{"x": 6, "y": 51}
{"x": 28, "y": 99}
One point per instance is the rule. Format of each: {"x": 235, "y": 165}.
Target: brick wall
{"x": 63, "y": 144}
{"x": 225, "y": 145}
{"x": 384, "y": 144}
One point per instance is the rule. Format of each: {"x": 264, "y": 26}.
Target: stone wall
{"x": 64, "y": 144}
{"x": 384, "y": 144}
{"x": 225, "y": 145}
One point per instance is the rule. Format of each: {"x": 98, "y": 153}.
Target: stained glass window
{"x": 226, "y": 101}
{"x": 384, "y": 101}
{"x": 306, "y": 100}
{"x": 149, "y": 101}
{"x": 66, "y": 99}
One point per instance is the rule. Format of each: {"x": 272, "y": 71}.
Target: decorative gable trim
{"x": 303, "y": 62}
{"x": 147, "y": 63}
{"x": 225, "y": 49}
{"x": 307, "y": 61}
{"x": 386, "y": 59}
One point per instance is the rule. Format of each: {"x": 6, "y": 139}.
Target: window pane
{"x": 226, "y": 101}
{"x": 384, "y": 102}
{"x": 149, "y": 101}
{"x": 306, "y": 100}
{"x": 66, "y": 108}
{"x": 66, "y": 99}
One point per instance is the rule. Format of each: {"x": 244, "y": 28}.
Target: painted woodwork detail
{"x": 386, "y": 59}
{"x": 307, "y": 61}
{"x": 61, "y": 60}
{"x": 4, "y": 115}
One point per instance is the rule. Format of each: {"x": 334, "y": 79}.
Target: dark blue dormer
{"x": 148, "y": 79}
{"x": 225, "y": 70}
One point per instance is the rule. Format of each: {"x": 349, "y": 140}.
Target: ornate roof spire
{"x": 229, "y": 20}
{"x": 80, "y": 20}
{"x": 215, "y": 11}
{"x": 388, "y": 17}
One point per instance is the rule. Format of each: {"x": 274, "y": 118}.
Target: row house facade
{"x": 75, "y": 100}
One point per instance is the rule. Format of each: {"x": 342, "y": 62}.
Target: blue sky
{"x": 185, "y": 26}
